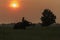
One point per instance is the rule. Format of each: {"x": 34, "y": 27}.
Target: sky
{"x": 30, "y": 9}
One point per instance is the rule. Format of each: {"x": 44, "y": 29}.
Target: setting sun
{"x": 14, "y": 4}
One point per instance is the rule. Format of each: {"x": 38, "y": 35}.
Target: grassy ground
{"x": 36, "y": 33}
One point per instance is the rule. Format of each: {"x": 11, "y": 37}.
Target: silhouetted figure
{"x": 23, "y": 24}
{"x": 48, "y": 17}
{"x": 23, "y": 19}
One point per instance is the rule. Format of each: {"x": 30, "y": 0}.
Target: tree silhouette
{"x": 48, "y": 17}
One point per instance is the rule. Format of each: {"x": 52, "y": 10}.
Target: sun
{"x": 14, "y": 4}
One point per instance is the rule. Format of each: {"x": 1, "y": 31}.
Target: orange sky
{"x": 30, "y": 9}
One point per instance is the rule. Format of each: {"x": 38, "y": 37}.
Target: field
{"x": 34, "y": 33}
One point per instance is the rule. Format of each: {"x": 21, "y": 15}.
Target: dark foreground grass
{"x": 36, "y": 33}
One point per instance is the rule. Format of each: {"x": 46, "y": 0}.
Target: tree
{"x": 48, "y": 17}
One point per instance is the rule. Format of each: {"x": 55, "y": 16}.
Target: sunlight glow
{"x": 14, "y": 4}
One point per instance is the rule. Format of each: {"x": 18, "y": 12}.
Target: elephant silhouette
{"x": 23, "y": 24}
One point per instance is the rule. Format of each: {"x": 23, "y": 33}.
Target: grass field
{"x": 35, "y": 33}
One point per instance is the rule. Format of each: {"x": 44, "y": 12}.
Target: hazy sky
{"x": 30, "y": 9}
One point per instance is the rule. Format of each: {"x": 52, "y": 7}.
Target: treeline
{"x": 47, "y": 19}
